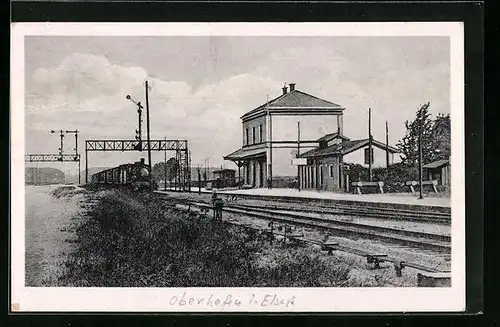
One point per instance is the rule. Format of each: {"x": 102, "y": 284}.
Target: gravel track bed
{"x": 429, "y": 259}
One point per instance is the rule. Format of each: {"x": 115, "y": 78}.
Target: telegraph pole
{"x": 205, "y": 174}
{"x": 270, "y": 166}
{"x": 386, "y": 143}
{"x": 298, "y": 154}
{"x": 76, "y": 152}
{"x": 165, "y": 167}
{"x": 199, "y": 180}
{"x": 370, "y": 144}
{"x": 420, "y": 173}
{"x": 147, "y": 122}
{"x": 208, "y": 168}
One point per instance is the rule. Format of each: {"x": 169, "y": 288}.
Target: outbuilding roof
{"x": 344, "y": 148}
{"x": 436, "y": 164}
{"x": 295, "y": 100}
{"x": 331, "y": 136}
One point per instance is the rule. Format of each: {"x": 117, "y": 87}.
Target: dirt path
{"x": 48, "y": 233}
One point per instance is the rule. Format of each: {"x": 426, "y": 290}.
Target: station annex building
{"x": 299, "y": 125}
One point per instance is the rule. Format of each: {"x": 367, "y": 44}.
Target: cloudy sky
{"x": 201, "y": 85}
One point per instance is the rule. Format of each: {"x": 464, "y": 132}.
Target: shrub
{"x": 130, "y": 242}
{"x": 394, "y": 176}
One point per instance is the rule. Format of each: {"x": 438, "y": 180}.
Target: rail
{"x": 371, "y": 257}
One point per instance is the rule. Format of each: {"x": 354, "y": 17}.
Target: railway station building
{"x": 324, "y": 168}
{"x": 270, "y": 135}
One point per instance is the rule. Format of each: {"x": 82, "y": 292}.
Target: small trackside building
{"x": 439, "y": 170}
{"x": 270, "y": 133}
{"x": 325, "y": 170}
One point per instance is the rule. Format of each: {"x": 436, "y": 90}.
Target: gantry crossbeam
{"x": 132, "y": 145}
{"x": 183, "y": 178}
{"x": 51, "y": 158}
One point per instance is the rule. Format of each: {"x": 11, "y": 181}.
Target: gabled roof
{"x": 295, "y": 100}
{"x": 334, "y": 149}
{"x": 436, "y": 164}
{"x": 331, "y": 136}
{"x": 344, "y": 148}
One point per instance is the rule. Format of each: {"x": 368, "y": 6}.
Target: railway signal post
{"x": 77, "y": 156}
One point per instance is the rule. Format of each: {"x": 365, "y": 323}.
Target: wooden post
{"x": 386, "y": 143}
{"x": 86, "y": 166}
{"x": 199, "y": 180}
{"x": 370, "y": 144}
{"x": 270, "y": 147}
{"x": 149, "y": 133}
{"x": 298, "y": 154}
{"x": 420, "y": 165}
{"x": 165, "y": 166}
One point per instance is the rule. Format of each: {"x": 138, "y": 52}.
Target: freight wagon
{"x": 135, "y": 176}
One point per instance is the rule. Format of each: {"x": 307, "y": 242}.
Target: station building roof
{"x": 294, "y": 101}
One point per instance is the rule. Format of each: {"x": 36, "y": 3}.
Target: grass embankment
{"x": 134, "y": 242}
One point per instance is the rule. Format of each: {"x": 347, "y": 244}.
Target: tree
{"x": 159, "y": 169}
{"x": 441, "y": 137}
{"x": 436, "y": 138}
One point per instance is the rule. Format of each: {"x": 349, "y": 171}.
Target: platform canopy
{"x": 243, "y": 154}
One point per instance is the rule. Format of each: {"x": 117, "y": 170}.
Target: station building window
{"x": 253, "y": 135}
{"x": 247, "y": 138}
{"x": 260, "y": 133}
{"x": 330, "y": 171}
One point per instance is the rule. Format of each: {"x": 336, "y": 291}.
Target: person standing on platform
{"x": 217, "y": 205}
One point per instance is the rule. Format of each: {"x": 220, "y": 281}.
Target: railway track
{"x": 397, "y": 262}
{"x": 406, "y": 215}
{"x": 436, "y": 215}
{"x": 424, "y": 241}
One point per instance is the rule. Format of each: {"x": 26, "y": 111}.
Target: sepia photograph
{"x": 237, "y": 167}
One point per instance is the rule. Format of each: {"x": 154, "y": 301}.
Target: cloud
{"x": 87, "y": 92}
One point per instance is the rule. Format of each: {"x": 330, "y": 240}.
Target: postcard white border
{"x": 306, "y": 299}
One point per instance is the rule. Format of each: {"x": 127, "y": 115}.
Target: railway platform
{"x": 387, "y": 200}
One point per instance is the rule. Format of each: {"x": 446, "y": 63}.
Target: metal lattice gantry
{"x": 133, "y": 145}
{"x": 183, "y": 178}
{"x": 51, "y": 157}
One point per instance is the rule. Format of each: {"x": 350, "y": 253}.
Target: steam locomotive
{"x": 135, "y": 176}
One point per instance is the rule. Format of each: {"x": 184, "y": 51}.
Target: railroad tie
{"x": 375, "y": 259}
{"x": 330, "y": 247}
{"x": 398, "y": 266}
